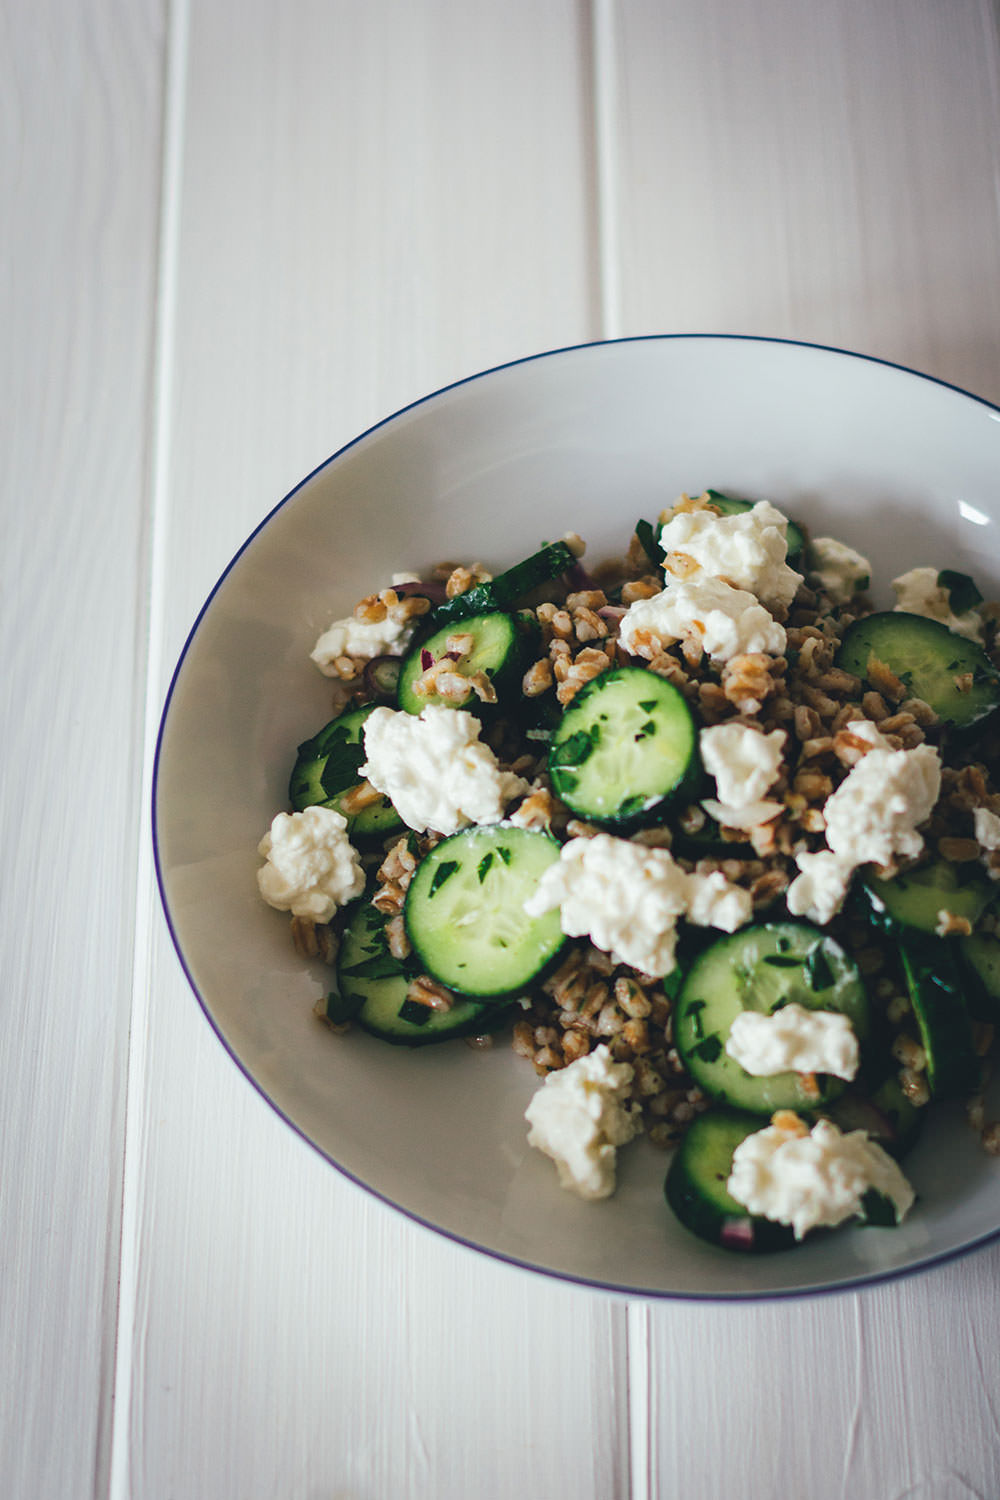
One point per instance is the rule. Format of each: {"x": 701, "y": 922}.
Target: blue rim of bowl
{"x": 837, "y": 1288}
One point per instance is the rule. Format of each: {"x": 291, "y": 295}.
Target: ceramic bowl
{"x": 586, "y": 439}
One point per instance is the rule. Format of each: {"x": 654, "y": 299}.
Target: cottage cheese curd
{"x": 728, "y": 621}
{"x": 987, "y": 828}
{"x": 310, "y": 866}
{"x": 872, "y": 818}
{"x": 812, "y": 1179}
{"x": 794, "y": 1040}
{"x": 918, "y": 593}
{"x": 837, "y": 569}
{"x": 353, "y": 637}
{"x": 434, "y": 769}
{"x": 579, "y": 1118}
{"x": 745, "y": 764}
{"x": 627, "y": 898}
{"x": 747, "y": 550}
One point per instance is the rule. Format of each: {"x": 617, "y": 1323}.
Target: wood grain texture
{"x": 372, "y": 201}
{"x": 79, "y": 159}
{"x": 823, "y": 172}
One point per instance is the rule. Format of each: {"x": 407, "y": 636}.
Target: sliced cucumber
{"x": 372, "y": 987}
{"x": 918, "y": 898}
{"x": 507, "y": 589}
{"x": 465, "y": 911}
{"x": 951, "y": 674}
{"x": 934, "y": 978}
{"x": 695, "y": 1186}
{"x": 496, "y": 653}
{"x": 625, "y": 747}
{"x": 327, "y": 769}
{"x": 729, "y": 506}
{"x": 762, "y": 968}
{"x": 886, "y": 1114}
{"x": 980, "y": 956}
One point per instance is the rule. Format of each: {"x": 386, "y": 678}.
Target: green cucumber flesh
{"x": 929, "y": 659}
{"x": 326, "y": 769}
{"x": 918, "y": 898}
{"x": 626, "y": 747}
{"x": 730, "y": 506}
{"x": 936, "y": 985}
{"x": 695, "y": 1186}
{"x": 497, "y": 652}
{"x": 761, "y": 968}
{"x": 465, "y": 912}
{"x": 373, "y": 985}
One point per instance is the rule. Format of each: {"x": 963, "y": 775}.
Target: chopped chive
{"x": 441, "y": 874}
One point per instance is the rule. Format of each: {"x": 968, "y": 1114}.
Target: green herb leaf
{"x": 484, "y": 865}
{"x": 341, "y": 768}
{"x": 783, "y": 960}
{"x": 709, "y": 1049}
{"x": 444, "y": 872}
{"x": 962, "y": 592}
{"x": 647, "y": 540}
{"x": 574, "y": 750}
{"x": 504, "y": 853}
{"x": 817, "y": 967}
{"x": 383, "y": 966}
{"x": 342, "y": 1007}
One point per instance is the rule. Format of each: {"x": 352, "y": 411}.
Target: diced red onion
{"x": 737, "y": 1234}
{"x": 433, "y": 589}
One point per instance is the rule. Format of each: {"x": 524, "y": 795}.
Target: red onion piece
{"x": 432, "y": 589}
{"x": 612, "y": 611}
{"x": 381, "y": 675}
{"x": 737, "y": 1234}
{"x": 426, "y": 660}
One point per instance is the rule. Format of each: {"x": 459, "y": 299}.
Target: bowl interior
{"x": 588, "y": 440}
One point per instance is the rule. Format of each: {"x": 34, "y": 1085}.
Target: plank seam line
{"x": 637, "y": 1363}
{"x": 604, "y": 72}
{"x": 146, "y": 905}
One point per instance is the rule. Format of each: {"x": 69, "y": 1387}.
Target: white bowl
{"x": 586, "y": 439}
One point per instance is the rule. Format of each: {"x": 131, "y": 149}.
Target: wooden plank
{"x": 814, "y": 172}
{"x": 823, "y": 173}
{"x": 79, "y": 156}
{"x": 374, "y": 200}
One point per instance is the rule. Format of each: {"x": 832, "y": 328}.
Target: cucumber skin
{"x": 854, "y": 652}
{"x": 303, "y": 782}
{"x": 975, "y": 897}
{"x": 935, "y": 983}
{"x": 503, "y": 592}
{"x": 506, "y": 679}
{"x": 707, "y": 1219}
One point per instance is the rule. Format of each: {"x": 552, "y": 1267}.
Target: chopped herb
{"x": 342, "y": 1007}
{"x": 574, "y": 750}
{"x": 648, "y": 543}
{"x": 878, "y": 1209}
{"x": 383, "y": 966}
{"x": 694, "y": 1010}
{"x": 709, "y": 1049}
{"x": 341, "y": 768}
{"x": 649, "y": 705}
{"x": 504, "y": 853}
{"x": 783, "y": 960}
{"x": 443, "y": 872}
{"x": 632, "y": 806}
{"x": 484, "y": 866}
{"x": 414, "y": 1012}
{"x": 817, "y": 966}
{"x": 784, "y": 944}
{"x": 962, "y": 592}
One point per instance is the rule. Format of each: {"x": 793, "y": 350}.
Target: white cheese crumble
{"x": 872, "y": 818}
{"x": 987, "y": 828}
{"x": 794, "y": 1039}
{"x": 310, "y": 866}
{"x": 814, "y": 1179}
{"x": 745, "y": 763}
{"x": 818, "y": 891}
{"x": 919, "y": 593}
{"x": 837, "y": 569}
{"x": 627, "y": 898}
{"x": 434, "y": 769}
{"x": 746, "y": 550}
{"x": 353, "y": 637}
{"x": 579, "y": 1118}
{"x": 727, "y": 621}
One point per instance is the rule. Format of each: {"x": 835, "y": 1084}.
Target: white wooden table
{"x": 235, "y": 233}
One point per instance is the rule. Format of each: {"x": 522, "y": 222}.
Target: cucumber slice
{"x": 504, "y": 591}
{"x": 326, "y": 769}
{"x": 762, "y": 968}
{"x": 886, "y": 1114}
{"x": 935, "y": 981}
{"x": 916, "y": 898}
{"x": 729, "y": 506}
{"x": 625, "y": 747}
{"x": 980, "y": 957}
{"x": 695, "y": 1186}
{"x": 929, "y": 659}
{"x": 465, "y": 911}
{"x": 497, "y": 653}
{"x": 372, "y": 988}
